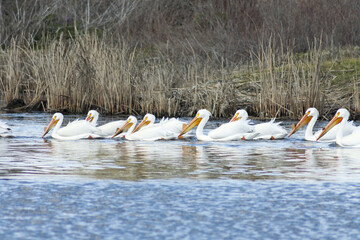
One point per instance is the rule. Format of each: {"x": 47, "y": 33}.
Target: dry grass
{"x": 285, "y": 85}
{"x": 174, "y": 57}
{"x": 86, "y": 73}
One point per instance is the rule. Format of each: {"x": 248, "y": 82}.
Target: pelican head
{"x": 341, "y": 114}
{"x": 4, "y": 128}
{"x": 240, "y": 114}
{"x": 309, "y": 114}
{"x": 128, "y": 124}
{"x": 200, "y": 115}
{"x": 92, "y": 116}
{"x": 55, "y": 119}
{"x": 147, "y": 120}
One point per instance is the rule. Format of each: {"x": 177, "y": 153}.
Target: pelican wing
{"x": 231, "y": 128}
{"x": 153, "y": 133}
{"x": 173, "y": 125}
{"x": 270, "y": 130}
{"x": 78, "y": 128}
{"x": 350, "y": 140}
{"x": 109, "y": 129}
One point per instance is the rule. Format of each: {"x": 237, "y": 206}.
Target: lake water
{"x": 180, "y": 189}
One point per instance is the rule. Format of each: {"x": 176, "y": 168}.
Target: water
{"x": 183, "y": 189}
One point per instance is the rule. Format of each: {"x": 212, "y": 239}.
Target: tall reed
{"x": 82, "y": 73}
{"x": 286, "y": 84}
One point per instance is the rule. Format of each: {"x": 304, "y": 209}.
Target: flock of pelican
{"x": 338, "y": 130}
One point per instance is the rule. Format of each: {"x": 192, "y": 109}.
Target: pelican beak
{"x": 143, "y": 123}
{"x": 196, "y": 120}
{"x": 124, "y": 128}
{"x": 235, "y": 117}
{"x": 52, "y": 123}
{"x": 89, "y": 118}
{"x": 336, "y": 120}
{"x": 303, "y": 121}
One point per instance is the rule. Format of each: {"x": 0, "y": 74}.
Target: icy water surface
{"x": 183, "y": 189}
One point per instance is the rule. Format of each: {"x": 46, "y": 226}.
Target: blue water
{"x": 185, "y": 189}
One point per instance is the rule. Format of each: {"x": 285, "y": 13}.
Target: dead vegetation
{"x": 174, "y": 57}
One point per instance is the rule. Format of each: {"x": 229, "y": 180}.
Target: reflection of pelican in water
{"x": 349, "y": 164}
{"x": 151, "y": 151}
{"x": 83, "y": 149}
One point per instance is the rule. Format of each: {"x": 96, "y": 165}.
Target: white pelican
{"x": 151, "y": 133}
{"x": 310, "y": 117}
{"x": 72, "y": 131}
{"x": 107, "y": 130}
{"x": 341, "y": 119}
{"x": 5, "y": 130}
{"x": 173, "y": 125}
{"x": 226, "y": 132}
{"x": 148, "y": 120}
{"x": 269, "y": 130}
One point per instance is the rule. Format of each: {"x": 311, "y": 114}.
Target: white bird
{"x": 310, "y": 117}
{"x": 269, "y": 130}
{"x": 107, "y": 130}
{"x": 226, "y": 132}
{"x": 151, "y": 133}
{"x": 72, "y": 131}
{"x": 148, "y": 121}
{"x": 173, "y": 125}
{"x": 341, "y": 119}
{"x": 5, "y": 130}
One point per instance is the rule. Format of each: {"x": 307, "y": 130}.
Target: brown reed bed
{"x": 174, "y": 57}
{"x": 83, "y": 73}
{"x": 86, "y": 73}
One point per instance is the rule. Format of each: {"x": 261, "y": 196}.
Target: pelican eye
{"x": 337, "y": 114}
{"x": 308, "y": 113}
{"x": 146, "y": 118}
{"x": 197, "y": 115}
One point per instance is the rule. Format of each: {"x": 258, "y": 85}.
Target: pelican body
{"x": 149, "y": 133}
{"x": 341, "y": 119}
{"x": 226, "y": 132}
{"x": 107, "y": 130}
{"x": 173, "y": 125}
{"x": 310, "y": 117}
{"x": 73, "y": 131}
{"x": 269, "y": 130}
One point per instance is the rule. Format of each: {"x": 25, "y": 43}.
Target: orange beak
{"x": 124, "y": 128}
{"x": 235, "y": 117}
{"x": 303, "y": 121}
{"x": 196, "y": 120}
{"x": 143, "y": 123}
{"x": 52, "y": 123}
{"x": 89, "y": 118}
{"x": 336, "y": 120}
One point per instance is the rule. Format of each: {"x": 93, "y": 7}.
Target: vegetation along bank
{"x": 274, "y": 58}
